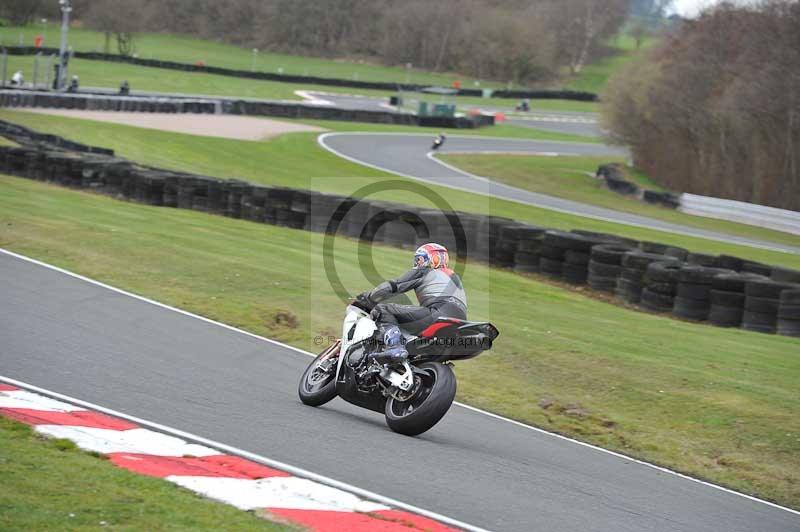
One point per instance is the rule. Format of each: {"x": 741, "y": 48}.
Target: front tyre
{"x": 318, "y": 383}
{"x": 433, "y": 395}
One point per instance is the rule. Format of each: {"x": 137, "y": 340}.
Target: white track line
{"x": 301, "y": 472}
{"x": 321, "y": 142}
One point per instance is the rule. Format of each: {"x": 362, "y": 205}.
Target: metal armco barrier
{"x": 740, "y": 211}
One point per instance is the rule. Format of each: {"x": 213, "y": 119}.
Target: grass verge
{"x": 296, "y": 160}
{"x": 569, "y": 177}
{"x": 50, "y": 484}
{"x": 717, "y": 403}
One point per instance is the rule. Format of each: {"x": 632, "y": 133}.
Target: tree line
{"x": 522, "y": 41}
{"x": 715, "y": 109}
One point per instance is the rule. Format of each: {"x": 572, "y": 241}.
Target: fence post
{"x": 5, "y": 67}
{"x": 49, "y": 72}
{"x": 36, "y": 69}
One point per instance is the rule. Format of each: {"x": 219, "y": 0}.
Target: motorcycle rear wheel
{"x": 428, "y": 405}
{"x": 317, "y": 387}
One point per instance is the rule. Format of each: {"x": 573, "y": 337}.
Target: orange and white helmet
{"x": 433, "y": 256}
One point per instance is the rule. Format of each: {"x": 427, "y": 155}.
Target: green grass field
{"x": 109, "y": 75}
{"x": 571, "y": 178}
{"x": 51, "y": 485}
{"x": 297, "y": 161}
{"x": 594, "y": 76}
{"x": 720, "y": 404}
{"x": 191, "y": 50}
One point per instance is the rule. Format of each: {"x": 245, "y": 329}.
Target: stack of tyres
{"x": 605, "y": 266}
{"x": 785, "y": 275}
{"x": 369, "y": 222}
{"x": 149, "y": 187}
{"x": 186, "y": 186}
{"x": 576, "y": 266}
{"x": 789, "y": 313}
{"x": 233, "y": 198}
{"x": 727, "y": 298}
{"x": 526, "y": 259}
{"x": 729, "y": 263}
{"x": 171, "y": 186}
{"x": 664, "y": 249}
{"x": 551, "y": 254}
{"x": 556, "y": 245}
{"x": 323, "y": 208}
{"x": 630, "y": 282}
{"x": 277, "y": 207}
{"x": 114, "y": 176}
{"x": 506, "y": 249}
{"x": 217, "y": 196}
{"x": 693, "y": 300}
{"x": 4, "y": 152}
{"x": 660, "y": 286}
{"x": 200, "y": 198}
{"x": 299, "y": 209}
{"x": 756, "y": 267}
{"x": 702, "y": 259}
{"x": 401, "y": 231}
{"x": 253, "y": 200}
{"x": 489, "y": 232}
{"x": 469, "y": 224}
{"x": 762, "y": 299}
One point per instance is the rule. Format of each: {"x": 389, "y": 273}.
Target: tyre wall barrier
{"x": 615, "y": 180}
{"x": 313, "y": 80}
{"x": 86, "y": 101}
{"x": 644, "y": 275}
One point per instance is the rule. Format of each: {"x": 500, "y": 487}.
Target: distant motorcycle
{"x": 413, "y": 395}
{"x": 438, "y": 142}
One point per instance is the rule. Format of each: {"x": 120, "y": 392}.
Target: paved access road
{"x": 408, "y": 155}
{"x": 86, "y": 341}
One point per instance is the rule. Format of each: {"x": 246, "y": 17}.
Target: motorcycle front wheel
{"x": 434, "y": 393}
{"x": 318, "y": 383}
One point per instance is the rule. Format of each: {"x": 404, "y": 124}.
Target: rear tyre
{"x": 435, "y": 393}
{"x": 318, "y": 383}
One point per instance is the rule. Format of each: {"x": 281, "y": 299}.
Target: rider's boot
{"x": 392, "y": 350}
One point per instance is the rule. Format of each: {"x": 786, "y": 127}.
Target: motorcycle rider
{"x": 438, "y": 290}
{"x": 439, "y": 141}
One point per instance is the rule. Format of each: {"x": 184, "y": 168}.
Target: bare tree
{"x": 715, "y": 109}
{"x": 20, "y": 12}
{"x": 119, "y": 19}
{"x": 582, "y": 25}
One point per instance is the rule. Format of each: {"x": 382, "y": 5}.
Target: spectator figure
{"x": 18, "y": 79}
{"x": 73, "y": 84}
{"x": 124, "y": 88}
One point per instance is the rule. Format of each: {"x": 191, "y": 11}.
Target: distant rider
{"x": 438, "y": 290}
{"x": 439, "y": 141}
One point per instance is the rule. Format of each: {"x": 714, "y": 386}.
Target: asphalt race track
{"x": 83, "y": 340}
{"x": 407, "y": 155}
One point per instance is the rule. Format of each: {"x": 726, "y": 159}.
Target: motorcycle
{"x": 413, "y": 395}
{"x": 438, "y": 142}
